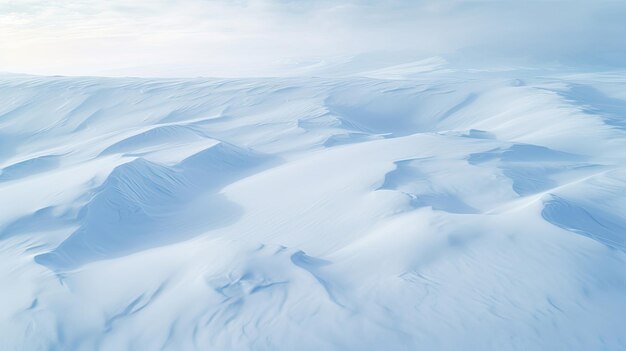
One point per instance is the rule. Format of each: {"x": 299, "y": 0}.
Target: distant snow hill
{"x": 417, "y": 208}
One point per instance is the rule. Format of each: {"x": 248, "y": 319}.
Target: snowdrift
{"x": 413, "y": 208}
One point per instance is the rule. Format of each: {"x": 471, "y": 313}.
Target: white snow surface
{"x": 413, "y": 208}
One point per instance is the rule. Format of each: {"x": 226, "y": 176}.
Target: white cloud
{"x": 226, "y": 38}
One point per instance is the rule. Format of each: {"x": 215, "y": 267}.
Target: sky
{"x": 272, "y": 37}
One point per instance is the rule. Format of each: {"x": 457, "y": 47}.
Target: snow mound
{"x": 140, "y": 203}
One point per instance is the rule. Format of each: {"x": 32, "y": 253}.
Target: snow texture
{"x": 413, "y": 207}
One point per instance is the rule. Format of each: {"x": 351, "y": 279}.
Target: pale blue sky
{"x": 260, "y": 37}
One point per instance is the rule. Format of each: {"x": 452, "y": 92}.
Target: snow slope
{"x": 414, "y": 208}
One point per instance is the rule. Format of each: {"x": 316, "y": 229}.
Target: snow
{"x": 418, "y": 206}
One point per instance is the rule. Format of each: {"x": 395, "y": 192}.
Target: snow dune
{"x": 415, "y": 208}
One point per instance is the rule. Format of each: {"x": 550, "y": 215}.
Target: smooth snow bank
{"x": 419, "y": 208}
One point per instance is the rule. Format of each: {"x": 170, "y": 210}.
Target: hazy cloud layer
{"x": 238, "y": 37}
